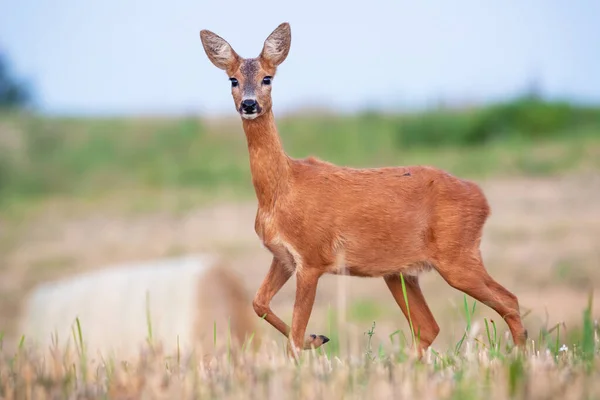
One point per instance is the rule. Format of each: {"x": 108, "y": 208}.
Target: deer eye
{"x": 234, "y": 82}
{"x": 267, "y": 80}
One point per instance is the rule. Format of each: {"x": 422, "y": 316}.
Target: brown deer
{"x": 318, "y": 218}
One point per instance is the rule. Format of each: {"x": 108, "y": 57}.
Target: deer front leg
{"x": 277, "y": 276}
{"x": 306, "y": 289}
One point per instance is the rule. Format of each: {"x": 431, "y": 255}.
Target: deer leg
{"x": 425, "y": 327}
{"x": 277, "y": 276}
{"x": 306, "y": 290}
{"x": 470, "y": 276}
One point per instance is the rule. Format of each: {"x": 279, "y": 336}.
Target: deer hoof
{"x": 315, "y": 341}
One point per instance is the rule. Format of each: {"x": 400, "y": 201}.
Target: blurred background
{"x": 119, "y": 141}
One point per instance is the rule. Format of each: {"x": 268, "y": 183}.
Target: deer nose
{"x": 249, "y": 105}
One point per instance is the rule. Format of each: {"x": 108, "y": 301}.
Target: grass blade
{"x": 178, "y": 353}
{"x": 82, "y": 353}
{"x": 395, "y": 333}
{"x": 370, "y": 334}
{"x": 404, "y": 293}
{"x": 468, "y": 317}
{"x": 247, "y": 343}
{"x": 487, "y": 330}
{"x": 467, "y": 314}
{"x": 149, "y": 339}
{"x": 79, "y": 334}
{"x": 460, "y": 343}
{"x": 557, "y": 348}
{"x": 587, "y": 343}
{"x": 229, "y": 340}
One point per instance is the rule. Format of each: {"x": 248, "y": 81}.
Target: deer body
{"x": 326, "y": 215}
{"x": 318, "y": 218}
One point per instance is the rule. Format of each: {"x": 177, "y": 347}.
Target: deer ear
{"x": 219, "y": 52}
{"x": 277, "y": 45}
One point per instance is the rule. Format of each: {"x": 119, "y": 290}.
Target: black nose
{"x": 249, "y": 104}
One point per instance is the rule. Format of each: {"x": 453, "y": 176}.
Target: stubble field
{"x": 541, "y": 242}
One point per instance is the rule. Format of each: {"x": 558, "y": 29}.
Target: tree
{"x": 13, "y": 93}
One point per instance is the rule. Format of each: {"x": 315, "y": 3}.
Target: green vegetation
{"x": 524, "y": 118}
{"x": 96, "y": 158}
{"x": 14, "y": 93}
{"x": 364, "y": 310}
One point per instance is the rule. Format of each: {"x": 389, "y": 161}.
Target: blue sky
{"x": 122, "y": 57}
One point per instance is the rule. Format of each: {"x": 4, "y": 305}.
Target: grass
{"x": 364, "y": 310}
{"x": 477, "y": 367}
{"x": 190, "y": 160}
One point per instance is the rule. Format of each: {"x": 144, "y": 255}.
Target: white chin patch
{"x": 249, "y": 116}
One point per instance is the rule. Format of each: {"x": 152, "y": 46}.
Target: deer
{"x": 317, "y": 218}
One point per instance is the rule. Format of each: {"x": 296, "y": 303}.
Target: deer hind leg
{"x": 425, "y": 327}
{"x": 469, "y": 275}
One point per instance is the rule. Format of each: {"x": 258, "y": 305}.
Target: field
{"x": 77, "y": 194}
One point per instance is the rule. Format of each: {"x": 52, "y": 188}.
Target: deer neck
{"x": 269, "y": 164}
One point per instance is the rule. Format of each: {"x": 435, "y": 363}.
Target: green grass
{"x": 364, "y": 310}
{"x": 143, "y": 160}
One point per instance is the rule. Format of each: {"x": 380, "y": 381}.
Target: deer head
{"x": 251, "y": 78}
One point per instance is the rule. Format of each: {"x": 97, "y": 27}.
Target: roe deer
{"x": 318, "y": 218}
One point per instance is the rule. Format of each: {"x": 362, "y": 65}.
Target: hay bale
{"x": 185, "y": 297}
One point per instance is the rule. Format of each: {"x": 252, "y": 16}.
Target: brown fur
{"x": 318, "y": 218}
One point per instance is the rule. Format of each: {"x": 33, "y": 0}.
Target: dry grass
{"x": 483, "y": 365}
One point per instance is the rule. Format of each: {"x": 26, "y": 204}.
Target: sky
{"x": 145, "y": 57}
